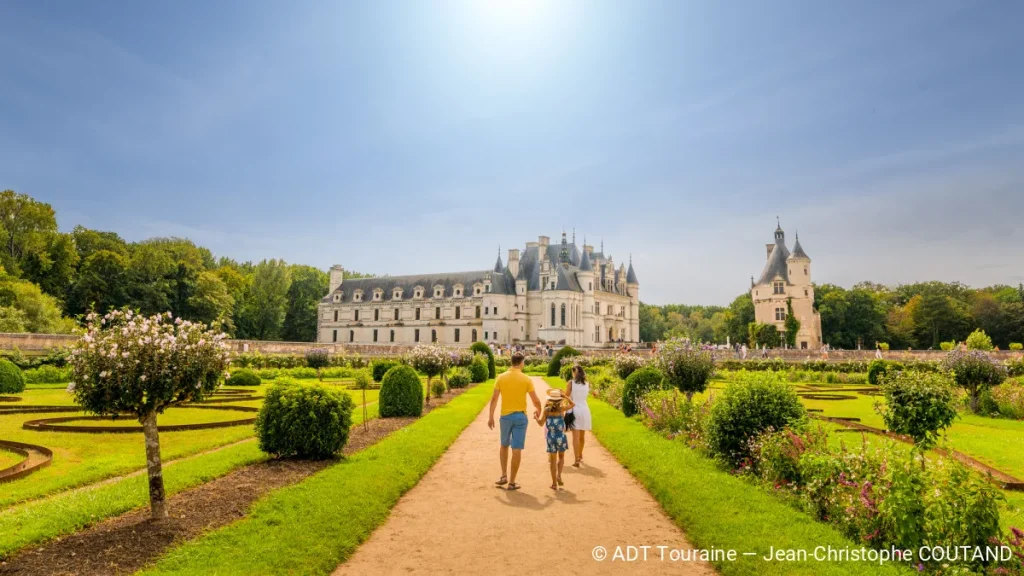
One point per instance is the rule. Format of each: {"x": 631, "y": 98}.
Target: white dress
{"x": 579, "y": 395}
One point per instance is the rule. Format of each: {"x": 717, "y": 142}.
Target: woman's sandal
{"x": 554, "y": 486}
{"x": 576, "y": 464}
{"x": 502, "y": 481}
{"x": 560, "y": 483}
{"x": 513, "y": 486}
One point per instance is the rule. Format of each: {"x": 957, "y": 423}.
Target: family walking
{"x": 559, "y": 414}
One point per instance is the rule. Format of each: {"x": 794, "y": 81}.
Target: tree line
{"x": 50, "y": 279}
{"x": 920, "y": 315}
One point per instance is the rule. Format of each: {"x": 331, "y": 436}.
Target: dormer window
{"x": 457, "y": 292}
{"x": 396, "y": 294}
{"x": 477, "y": 289}
{"x": 438, "y": 291}
{"x": 357, "y": 296}
{"x": 779, "y": 287}
{"x": 417, "y": 292}
{"x": 337, "y": 296}
{"x": 378, "y": 295}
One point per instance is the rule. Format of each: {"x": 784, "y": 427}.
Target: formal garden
{"x": 883, "y": 455}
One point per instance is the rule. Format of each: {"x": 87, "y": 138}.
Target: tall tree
{"x": 101, "y": 284}
{"x": 211, "y": 303}
{"x": 262, "y": 314}
{"x": 308, "y": 286}
{"x": 25, "y": 225}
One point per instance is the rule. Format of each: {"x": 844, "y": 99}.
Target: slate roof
{"x": 585, "y": 265}
{"x": 501, "y": 283}
{"x": 631, "y": 274}
{"x": 798, "y": 250}
{"x": 776, "y": 265}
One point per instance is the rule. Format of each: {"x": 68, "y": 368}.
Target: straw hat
{"x": 555, "y": 394}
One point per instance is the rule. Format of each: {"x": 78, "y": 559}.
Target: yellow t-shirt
{"x": 514, "y": 386}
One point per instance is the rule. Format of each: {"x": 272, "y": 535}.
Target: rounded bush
{"x": 637, "y": 384}
{"x": 1016, "y": 346}
{"x": 483, "y": 348}
{"x": 11, "y": 378}
{"x": 918, "y": 404}
{"x": 878, "y": 369}
{"x": 565, "y": 372}
{"x": 461, "y": 378}
{"x": 401, "y": 393}
{"x": 747, "y": 409}
{"x": 381, "y": 367}
{"x": 243, "y": 377}
{"x": 304, "y": 421}
{"x": 478, "y": 371}
{"x": 555, "y": 366}
{"x": 437, "y": 389}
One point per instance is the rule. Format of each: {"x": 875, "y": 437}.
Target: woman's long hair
{"x": 576, "y": 368}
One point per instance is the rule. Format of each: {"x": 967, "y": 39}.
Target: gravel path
{"x": 456, "y": 522}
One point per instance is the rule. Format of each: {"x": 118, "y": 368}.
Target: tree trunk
{"x": 153, "y": 467}
{"x": 975, "y": 396}
{"x": 364, "y": 409}
{"x": 426, "y": 397}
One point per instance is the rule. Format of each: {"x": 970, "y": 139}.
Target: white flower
{"x": 70, "y": 388}
{"x": 142, "y": 378}
{"x": 103, "y": 374}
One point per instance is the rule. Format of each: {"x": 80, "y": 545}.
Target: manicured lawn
{"x": 46, "y": 518}
{"x": 8, "y": 459}
{"x": 716, "y": 509}
{"x": 311, "y": 527}
{"x": 82, "y": 459}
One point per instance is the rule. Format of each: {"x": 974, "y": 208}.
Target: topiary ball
{"x": 304, "y": 421}
{"x": 401, "y": 393}
{"x": 11, "y": 378}
{"x": 243, "y": 377}
{"x": 638, "y": 383}
{"x": 482, "y": 348}
{"x": 461, "y": 378}
{"x": 747, "y": 409}
{"x": 478, "y": 370}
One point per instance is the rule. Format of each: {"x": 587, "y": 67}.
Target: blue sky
{"x": 410, "y": 137}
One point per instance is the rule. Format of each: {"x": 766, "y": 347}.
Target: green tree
{"x": 738, "y": 317}
{"x": 53, "y": 267}
{"x": 25, "y": 226}
{"x": 939, "y": 318}
{"x": 792, "y": 325}
{"x": 150, "y": 273}
{"x": 262, "y": 314}
{"x": 211, "y": 303}
{"x": 88, "y": 242}
{"x": 652, "y": 323}
{"x": 308, "y": 286}
{"x": 28, "y": 309}
{"x": 101, "y": 284}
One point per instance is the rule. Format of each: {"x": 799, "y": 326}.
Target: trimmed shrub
{"x": 754, "y": 404}
{"x": 919, "y": 405}
{"x": 437, "y": 389}
{"x": 974, "y": 371}
{"x": 47, "y": 374}
{"x": 243, "y": 377}
{"x": 555, "y": 366}
{"x": 401, "y": 393}
{"x": 685, "y": 367}
{"x": 11, "y": 378}
{"x": 304, "y": 421}
{"x": 478, "y": 369}
{"x": 638, "y": 383}
{"x": 318, "y": 359}
{"x": 381, "y": 367}
{"x": 461, "y": 378}
{"x": 878, "y": 369}
{"x": 978, "y": 340}
{"x": 482, "y": 348}
{"x": 302, "y": 373}
{"x": 947, "y": 346}
{"x": 1016, "y": 346}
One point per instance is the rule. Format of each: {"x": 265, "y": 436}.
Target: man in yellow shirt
{"x": 512, "y": 387}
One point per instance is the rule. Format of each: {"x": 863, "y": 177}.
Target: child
{"x": 554, "y": 417}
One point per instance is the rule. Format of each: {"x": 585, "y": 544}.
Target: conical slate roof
{"x": 798, "y": 250}
{"x": 498, "y": 266}
{"x": 776, "y": 265}
{"x": 630, "y": 274}
{"x": 585, "y": 265}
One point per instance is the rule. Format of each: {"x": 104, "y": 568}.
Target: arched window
{"x": 563, "y": 314}
{"x": 474, "y": 334}
{"x": 552, "y": 313}
{"x": 433, "y": 335}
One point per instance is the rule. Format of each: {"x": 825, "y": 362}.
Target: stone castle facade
{"x": 556, "y": 293}
{"x": 787, "y": 277}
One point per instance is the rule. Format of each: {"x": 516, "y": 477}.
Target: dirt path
{"x": 456, "y": 522}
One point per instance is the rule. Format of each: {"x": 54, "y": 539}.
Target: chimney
{"x": 770, "y": 247}
{"x": 543, "y": 240}
{"x": 337, "y": 276}
{"x": 513, "y": 262}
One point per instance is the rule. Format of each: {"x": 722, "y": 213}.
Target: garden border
{"x": 10, "y": 398}
{"x": 54, "y": 424}
{"x": 22, "y": 469}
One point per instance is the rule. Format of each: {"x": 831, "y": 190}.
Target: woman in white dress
{"x": 578, "y": 390}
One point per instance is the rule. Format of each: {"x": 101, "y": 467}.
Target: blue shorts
{"x": 513, "y": 430}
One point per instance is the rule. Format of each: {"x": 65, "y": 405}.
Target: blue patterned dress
{"x": 557, "y": 442}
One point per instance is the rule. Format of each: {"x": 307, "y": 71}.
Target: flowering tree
{"x": 974, "y": 371}
{"x": 626, "y": 364}
{"x": 431, "y": 360}
{"x": 687, "y": 367}
{"x": 132, "y": 364}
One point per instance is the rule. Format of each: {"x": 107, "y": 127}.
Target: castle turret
{"x": 633, "y": 291}
{"x": 799, "y": 265}
{"x": 585, "y": 275}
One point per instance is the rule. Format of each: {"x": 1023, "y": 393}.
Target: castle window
{"x": 552, "y": 313}
{"x": 417, "y": 316}
{"x": 458, "y": 313}
{"x": 397, "y": 294}
{"x": 433, "y": 335}
{"x": 474, "y": 334}
{"x": 779, "y": 287}
{"x": 351, "y": 335}
{"x": 437, "y": 313}
{"x": 495, "y": 310}
{"x": 357, "y": 296}
{"x": 396, "y": 313}
{"x": 476, "y": 291}
{"x": 337, "y": 297}
{"x": 486, "y": 334}
{"x": 563, "y": 314}
{"x": 355, "y": 315}
{"x": 477, "y": 311}
{"x": 334, "y": 338}
{"x": 376, "y": 314}
{"x": 392, "y": 336}
{"x": 805, "y": 270}
{"x": 335, "y": 315}
{"x": 438, "y": 291}
{"x": 416, "y": 335}
{"x": 456, "y": 334}
{"x": 806, "y": 293}
{"x": 374, "y": 334}
{"x": 780, "y": 314}
{"x": 590, "y": 285}
{"x": 378, "y": 295}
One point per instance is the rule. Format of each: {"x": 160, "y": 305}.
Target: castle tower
{"x": 585, "y": 275}
{"x": 633, "y": 291}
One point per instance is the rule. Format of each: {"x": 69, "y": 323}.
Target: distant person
{"x": 878, "y": 351}
{"x": 578, "y": 390}
{"x": 743, "y": 352}
{"x": 553, "y": 419}
{"x": 512, "y": 386}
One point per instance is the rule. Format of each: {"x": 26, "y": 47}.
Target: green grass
{"x": 83, "y": 459}
{"x": 311, "y": 527}
{"x": 8, "y": 459}
{"x": 47, "y": 518}
{"x": 717, "y": 509}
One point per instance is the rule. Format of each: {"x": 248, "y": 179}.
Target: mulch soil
{"x": 128, "y": 543}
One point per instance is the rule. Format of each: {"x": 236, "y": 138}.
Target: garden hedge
{"x": 11, "y": 378}
{"x": 478, "y": 370}
{"x": 748, "y": 408}
{"x": 483, "y": 348}
{"x": 637, "y": 384}
{"x": 243, "y": 377}
{"x": 381, "y": 367}
{"x": 555, "y": 366}
{"x": 401, "y": 393}
{"x": 460, "y": 379}
{"x": 305, "y": 421}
